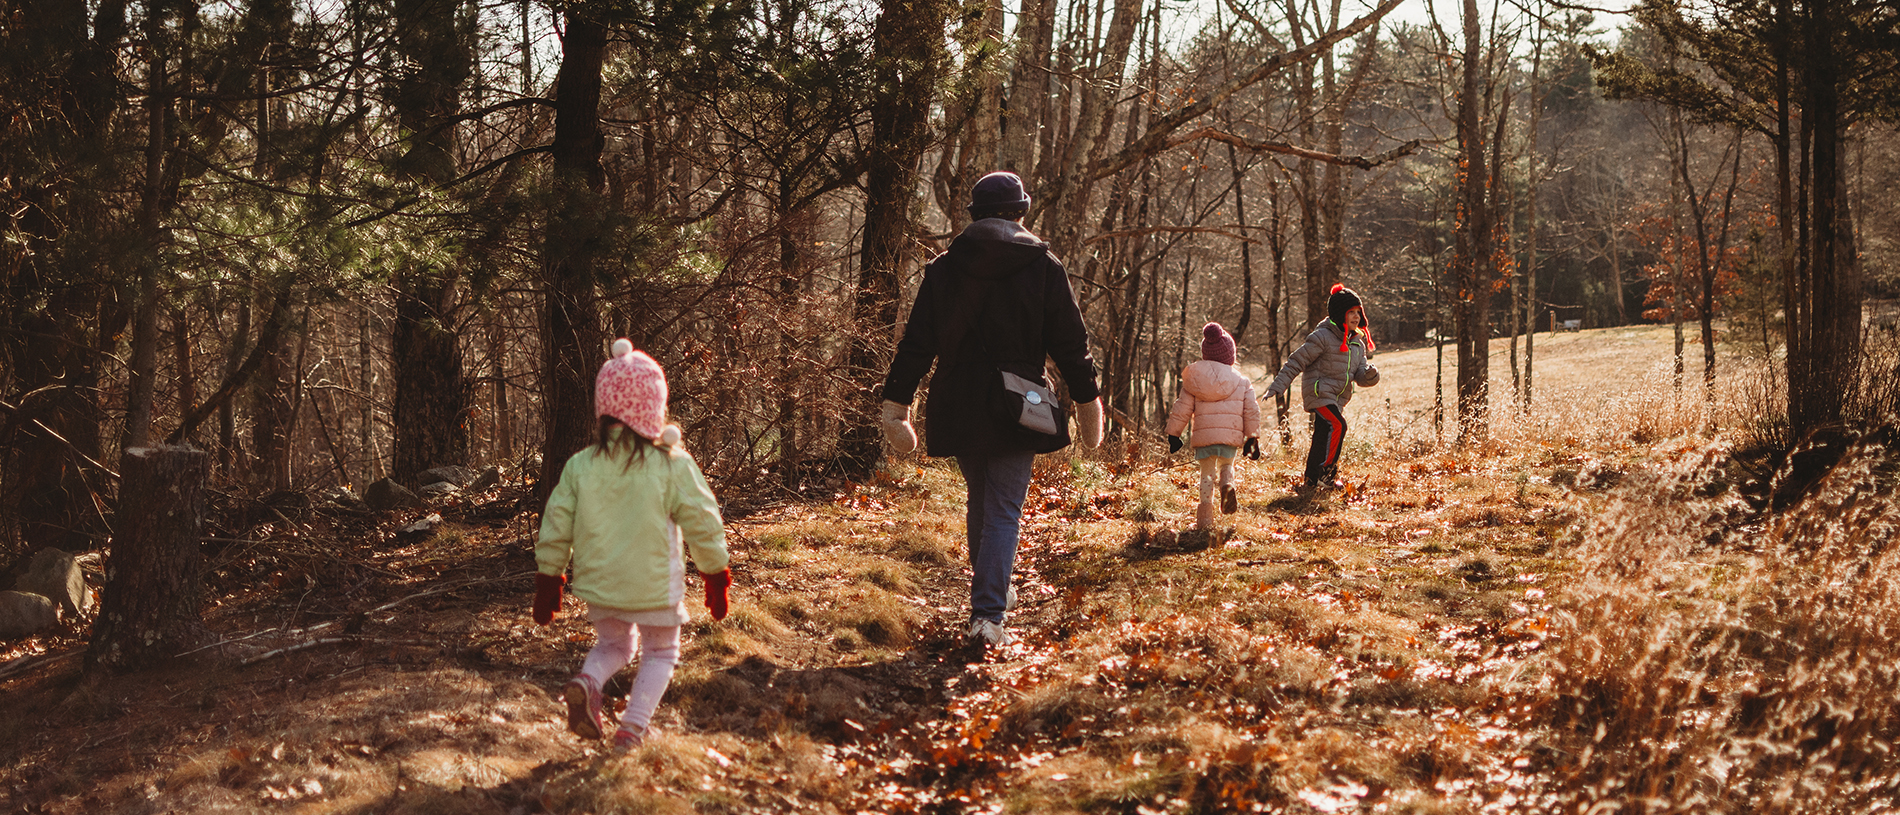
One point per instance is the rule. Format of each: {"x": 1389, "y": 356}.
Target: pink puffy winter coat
{"x": 1220, "y": 402}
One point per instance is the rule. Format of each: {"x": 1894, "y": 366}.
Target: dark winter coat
{"x": 1013, "y": 298}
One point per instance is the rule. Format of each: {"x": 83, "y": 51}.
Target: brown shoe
{"x": 583, "y": 708}
{"x": 1229, "y": 499}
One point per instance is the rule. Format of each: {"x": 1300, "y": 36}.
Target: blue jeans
{"x": 993, "y": 514}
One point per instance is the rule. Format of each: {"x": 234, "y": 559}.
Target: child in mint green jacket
{"x": 619, "y": 515}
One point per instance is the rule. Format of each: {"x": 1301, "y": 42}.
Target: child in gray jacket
{"x": 1334, "y": 358}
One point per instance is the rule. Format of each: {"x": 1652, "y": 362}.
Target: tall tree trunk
{"x": 1279, "y": 311}
{"x": 980, "y": 144}
{"x": 910, "y": 60}
{"x": 1246, "y": 247}
{"x": 1828, "y": 367}
{"x": 1028, "y": 102}
{"x": 229, "y": 457}
{"x": 1471, "y": 266}
{"x": 430, "y": 409}
{"x": 1531, "y": 180}
{"x": 1071, "y": 190}
{"x": 1793, "y": 314}
{"x": 273, "y": 413}
{"x": 1678, "y": 192}
{"x": 571, "y": 338}
{"x": 1712, "y": 268}
{"x": 143, "y": 367}
{"x": 57, "y": 295}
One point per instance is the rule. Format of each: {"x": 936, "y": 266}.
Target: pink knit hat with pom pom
{"x": 631, "y": 388}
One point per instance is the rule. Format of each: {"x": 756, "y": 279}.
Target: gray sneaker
{"x": 990, "y": 633}
{"x": 1009, "y": 603}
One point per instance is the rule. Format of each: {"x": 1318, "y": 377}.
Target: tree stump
{"x": 151, "y": 608}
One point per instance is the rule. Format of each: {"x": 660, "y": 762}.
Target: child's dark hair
{"x": 628, "y": 446}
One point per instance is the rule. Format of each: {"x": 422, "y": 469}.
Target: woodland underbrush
{"x": 1720, "y": 653}
{"x": 1639, "y": 606}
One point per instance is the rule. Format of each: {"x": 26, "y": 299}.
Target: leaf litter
{"x": 1381, "y": 649}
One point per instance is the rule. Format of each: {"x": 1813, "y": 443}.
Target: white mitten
{"x": 895, "y": 419}
{"x": 1088, "y": 422}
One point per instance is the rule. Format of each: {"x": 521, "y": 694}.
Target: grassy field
{"x": 1607, "y": 607}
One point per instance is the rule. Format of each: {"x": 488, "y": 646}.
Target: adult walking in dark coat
{"x": 996, "y": 301}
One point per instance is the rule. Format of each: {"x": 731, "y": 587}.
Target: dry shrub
{"x": 1878, "y": 397}
{"x": 668, "y": 774}
{"x": 925, "y": 547}
{"x": 1710, "y": 663}
{"x": 732, "y": 642}
{"x": 870, "y": 615}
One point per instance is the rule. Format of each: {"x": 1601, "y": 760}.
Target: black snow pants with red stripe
{"x": 1329, "y": 434}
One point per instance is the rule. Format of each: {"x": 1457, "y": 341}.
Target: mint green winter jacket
{"x": 621, "y": 524}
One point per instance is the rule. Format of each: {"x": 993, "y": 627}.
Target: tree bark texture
{"x": 151, "y": 606}
{"x": 1823, "y": 368}
{"x": 1471, "y": 263}
{"x": 430, "y": 415}
{"x": 53, "y": 436}
{"x": 570, "y": 314}
{"x": 910, "y": 60}
{"x": 1028, "y": 100}
{"x": 431, "y": 400}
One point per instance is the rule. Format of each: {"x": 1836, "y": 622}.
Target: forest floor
{"x": 1357, "y": 652}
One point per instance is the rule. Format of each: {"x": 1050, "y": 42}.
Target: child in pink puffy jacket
{"x": 1219, "y": 401}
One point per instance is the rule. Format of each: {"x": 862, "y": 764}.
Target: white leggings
{"x": 1211, "y": 468}
{"x": 659, "y": 653}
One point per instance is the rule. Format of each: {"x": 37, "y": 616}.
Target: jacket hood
{"x": 1212, "y": 381}
{"x": 996, "y": 248}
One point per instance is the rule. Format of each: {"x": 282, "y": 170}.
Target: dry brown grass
{"x": 1713, "y": 663}
{"x": 1592, "y": 609}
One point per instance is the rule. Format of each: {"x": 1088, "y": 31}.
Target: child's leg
{"x": 1204, "y": 513}
{"x": 1229, "y": 499}
{"x": 659, "y": 653}
{"x": 1210, "y": 472}
{"x": 613, "y": 648}
{"x": 1329, "y": 433}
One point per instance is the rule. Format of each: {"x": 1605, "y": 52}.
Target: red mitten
{"x": 716, "y": 584}
{"x": 547, "y": 596}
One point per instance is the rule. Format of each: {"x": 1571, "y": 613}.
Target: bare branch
{"x": 1155, "y": 139}
{"x": 1361, "y": 162}
{"x": 1150, "y": 230}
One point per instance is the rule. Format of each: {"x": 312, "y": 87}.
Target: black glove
{"x": 1174, "y": 444}
{"x": 1252, "y": 448}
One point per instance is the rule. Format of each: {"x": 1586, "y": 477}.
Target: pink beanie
{"x": 1217, "y": 344}
{"x": 632, "y": 389}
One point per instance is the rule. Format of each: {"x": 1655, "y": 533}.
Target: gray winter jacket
{"x": 1326, "y": 375}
